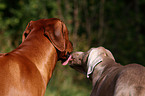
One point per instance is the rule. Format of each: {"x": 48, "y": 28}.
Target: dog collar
{"x": 93, "y": 60}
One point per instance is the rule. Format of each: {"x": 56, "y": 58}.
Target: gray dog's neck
{"x": 103, "y": 68}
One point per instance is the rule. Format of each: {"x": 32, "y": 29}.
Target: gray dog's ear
{"x": 95, "y": 58}
{"x": 93, "y": 61}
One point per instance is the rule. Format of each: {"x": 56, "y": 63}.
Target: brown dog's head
{"x": 85, "y": 62}
{"x": 56, "y": 31}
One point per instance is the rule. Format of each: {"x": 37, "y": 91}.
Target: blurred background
{"x": 117, "y": 25}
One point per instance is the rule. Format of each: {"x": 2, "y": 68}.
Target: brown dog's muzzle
{"x": 65, "y": 56}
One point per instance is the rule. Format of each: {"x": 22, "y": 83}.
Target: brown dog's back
{"x": 17, "y": 74}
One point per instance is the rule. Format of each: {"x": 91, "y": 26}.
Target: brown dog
{"x": 108, "y": 77}
{"x": 26, "y": 70}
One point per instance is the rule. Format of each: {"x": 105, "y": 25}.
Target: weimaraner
{"x": 108, "y": 77}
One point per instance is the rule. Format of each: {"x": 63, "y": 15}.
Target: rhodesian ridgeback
{"x": 108, "y": 77}
{"x": 27, "y": 70}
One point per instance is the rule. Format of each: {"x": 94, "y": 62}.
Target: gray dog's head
{"x": 85, "y": 62}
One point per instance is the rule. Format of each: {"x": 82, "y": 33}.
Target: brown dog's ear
{"x": 57, "y": 35}
{"x": 27, "y": 31}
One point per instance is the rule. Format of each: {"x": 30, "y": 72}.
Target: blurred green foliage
{"x": 118, "y": 25}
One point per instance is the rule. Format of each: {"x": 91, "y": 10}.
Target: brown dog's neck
{"x": 102, "y": 68}
{"x": 41, "y": 52}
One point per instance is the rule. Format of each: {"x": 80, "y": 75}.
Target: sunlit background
{"x": 118, "y": 25}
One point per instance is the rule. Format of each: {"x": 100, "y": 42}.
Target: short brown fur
{"x": 27, "y": 70}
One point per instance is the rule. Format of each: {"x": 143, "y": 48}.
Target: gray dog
{"x": 108, "y": 77}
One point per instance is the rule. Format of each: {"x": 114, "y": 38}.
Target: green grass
{"x": 68, "y": 82}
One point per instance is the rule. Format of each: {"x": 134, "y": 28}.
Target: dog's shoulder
{"x": 106, "y": 83}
